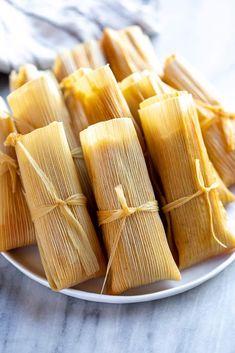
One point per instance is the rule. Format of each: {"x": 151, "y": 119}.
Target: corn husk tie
{"x": 8, "y": 164}
{"x": 219, "y": 115}
{"x": 108, "y": 216}
{"x": 80, "y": 242}
{"x": 202, "y": 190}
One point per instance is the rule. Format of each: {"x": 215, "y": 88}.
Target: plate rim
{"x": 120, "y": 299}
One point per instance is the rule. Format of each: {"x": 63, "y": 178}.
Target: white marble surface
{"x": 35, "y": 320}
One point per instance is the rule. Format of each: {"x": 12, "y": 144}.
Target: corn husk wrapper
{"x": 88, "y": 55}
{"x": 101, "y": 97}
{"x": 174, "y": 139}
{"x": 225, "y": 195}
{"x": 78, "y": 116}
{"x": 37, "y": 104}
{"x": 64, "y": 65}
{"x": 67, "y": 240}
{"x": 25, "y": 74}
{"x": 139, "y": 86}
{"x": 136, "y": 243}
{"x": 218, "y": 125}
{"x": 129, "y": 50}
{"x": 16, "y": 227}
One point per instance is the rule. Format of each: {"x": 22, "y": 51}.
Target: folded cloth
{"x": 34, "y": 31}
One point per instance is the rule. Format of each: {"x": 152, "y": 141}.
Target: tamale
{"x": 101, "y": 97}
{"x": 25, "y": 74}
{"x": 78, "y": 116}
{"x": 40, "y": 102}
{"x": 64, "y": 65}
{"x": 175, "y": 142}
{"x": 128, "y": 213}
{"x": 180, "y": 75}
{"x": 140, "y": 86}
{"x": 87, "y": 55}
{"x": 129, "y": 50}
{"x": 67, "y": 241}
{"x": 16, "y": 227}
{"x": 218, "y": 125}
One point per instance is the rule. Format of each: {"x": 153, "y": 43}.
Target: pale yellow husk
{"x": 175, "y": 142}
{"x": 64, "y": 65}
{"x": 218, "y": 126}
{"x": 88, "y": 54}
{"x": 101, "y": 97}
{"x": 37, "y": 104}
{"x": 16, "y": 227}
{"x": 26, "y": 73}
{"x": 115, "y": 160}
{"x": 139, "y": 86}
{"x": 78, "y": 116}
{"x": 67, "y": 240}
{"x": 129, "y": 50}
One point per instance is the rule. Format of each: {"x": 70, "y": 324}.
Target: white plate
{"x": 27, "y": 261}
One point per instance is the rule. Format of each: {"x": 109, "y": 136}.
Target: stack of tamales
{"x": 174, "y": 139}
{"x": 95, "y": 159}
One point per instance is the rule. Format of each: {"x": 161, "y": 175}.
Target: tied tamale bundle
{"x": 78, "y": 116}
{"x": 101, "y": 97}
{"x": 226, "y": 196}
{"x": 175, "y": 142}
{"x": 128, "y": 212}
{"x": 139, "y": 86}
{"x": 218, "y": 125}
{"x": 89, "y": 55}
{"x": 16, "y": 227}
{"x": 37, "y": 104}
{"x": 129, "y": 50}
{"x": 66, "y": 238}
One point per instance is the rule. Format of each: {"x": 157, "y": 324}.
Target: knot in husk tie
{"x": 109, "y": 216}
{"x": 9, "y": 164}
{"x": 202, "y": 190}
{"x": 78, "y": 238}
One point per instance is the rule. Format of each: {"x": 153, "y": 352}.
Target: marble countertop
{"x": 35, "y": 320}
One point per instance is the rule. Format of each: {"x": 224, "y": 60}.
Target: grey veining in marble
{"x": 35, "y": 320}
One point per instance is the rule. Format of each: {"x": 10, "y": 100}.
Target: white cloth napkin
{"x": 33, "y": 31}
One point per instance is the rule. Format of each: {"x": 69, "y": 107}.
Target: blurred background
{"x": 201, "y": 31}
